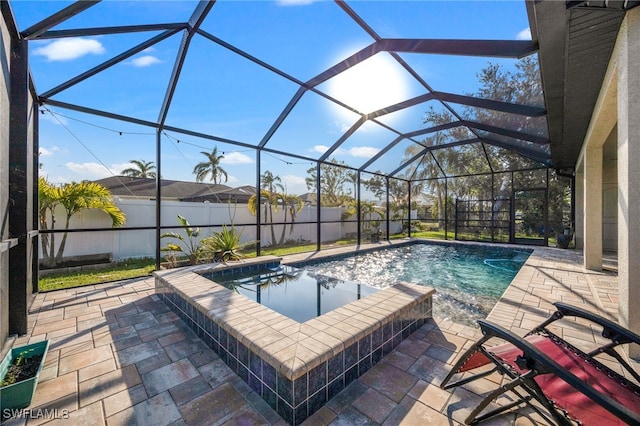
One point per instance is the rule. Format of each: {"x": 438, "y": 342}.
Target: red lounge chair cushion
{"x": 564, "y": 396}
{"x": 506, "y": 351}
{"x": 577, "y": 404}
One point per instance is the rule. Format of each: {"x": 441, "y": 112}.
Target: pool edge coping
{"x": 292, "y": 348}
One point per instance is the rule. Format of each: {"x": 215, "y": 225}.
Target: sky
{"x": 223, "y": 94}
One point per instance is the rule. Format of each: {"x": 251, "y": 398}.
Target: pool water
{"x": 468, "y": 280}
{"x": 296, "y": 293}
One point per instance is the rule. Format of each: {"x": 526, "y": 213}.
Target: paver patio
{"x": 118, "y": 356}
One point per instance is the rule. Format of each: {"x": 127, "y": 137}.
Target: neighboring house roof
{"x": 309, "y": 197}
{"x": 126, "y": 186}
{"x": 240, "y": 194}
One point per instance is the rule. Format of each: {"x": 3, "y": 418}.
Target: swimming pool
{"x": 296, "y": 293}
{"x": 296, "y": 367}
{"x": 469, "y": 279}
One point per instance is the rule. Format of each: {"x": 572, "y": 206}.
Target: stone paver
{"x": 166, "y": 377}
{"x": 119, "y": 357}
{"x": 374, "y": 405}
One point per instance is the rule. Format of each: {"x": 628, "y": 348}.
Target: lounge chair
{"x": 571, "y": 385}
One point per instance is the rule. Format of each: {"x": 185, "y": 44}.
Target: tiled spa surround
{"x": 295, "y": 367}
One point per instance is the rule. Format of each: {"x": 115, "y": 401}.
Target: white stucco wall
{"x": 610, "y": 194}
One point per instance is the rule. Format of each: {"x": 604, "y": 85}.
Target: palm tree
{"x": 142, "y": 169}
{"x": 211, "y": 166}
{"x": 270, "y": 182}
{"x": 269, "y": 197}
{"x": 291, "y": 204}
{"x": 270, "y": 202}
{"x": 73, "y": 197}
{"x": 48, "y": 200}
{"x": 352, "y": 177}
{"x": 367, "y": 211}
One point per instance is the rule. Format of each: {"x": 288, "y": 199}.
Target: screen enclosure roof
{"x": 385, "y": 87}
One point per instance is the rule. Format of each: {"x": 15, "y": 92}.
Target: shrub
{"x": 225, "y": 245}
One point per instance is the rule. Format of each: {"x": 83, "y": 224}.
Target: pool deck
{"x": 118, "y": 356}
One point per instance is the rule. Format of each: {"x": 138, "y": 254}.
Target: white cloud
{"x": 363, "y": 151}
{"x": 118, "y": 168}
{"x": 524, "y": 34}
{"x": 294, "y": 2}
{"x": 293, "y": 180}
{"x": 231, "y": 180}
{"x": 236, "y": 158}
{"x": 145, "y": 61}
{"x": 357, "y": 151}
{"x": 343, "y": 126}
{"x": 95, "y": 170}
{"x": 57, "y": 179}
{"x": 294, "y": 184}
{"x": 70, "y": 48}
{"x": 44, "y": 152}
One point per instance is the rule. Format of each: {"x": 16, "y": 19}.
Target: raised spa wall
{"x": 295, "y": 367}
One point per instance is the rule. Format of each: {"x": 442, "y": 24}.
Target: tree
{"x": 398, "y": 198}
{"x": 291, "y": 204}
{"x": 270, "y": 202}
{"x": 352, "y": 178}
{"x": 521, "y": 86}
{"x": 271, "y": 198}
{"x": 142, "y": 169}
{"x": 429, "y": 172}
{"x": 48, "y": 200}
{"x": 333, "y": 177}
{"x": 270, "y": 182}
{"x": 189, "y": 245}
{"x": 210, "y": 167}
{"x": 74, "y": 197}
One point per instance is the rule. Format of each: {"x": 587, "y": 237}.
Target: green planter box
{"x": 19, "y": 395}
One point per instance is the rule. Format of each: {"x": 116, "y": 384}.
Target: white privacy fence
{"x": 123, "y": 244}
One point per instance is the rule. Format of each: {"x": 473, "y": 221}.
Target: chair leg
{"x": 534, "y": 392}
{"x": 471, "y": 418}
{"x": 541, "y": 397}
{"x": 461, "y": 361}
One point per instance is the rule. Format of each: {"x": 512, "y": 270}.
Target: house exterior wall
{"x": 579, "y": 203}
{"x": 622, "y": 174}
{"x": 610, "y": 194}
{"x": 609, "y": 197}
{"x": 5, "y": 47}
{"x": 628, "y": 57}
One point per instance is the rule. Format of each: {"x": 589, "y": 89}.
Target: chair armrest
{"x": 538, "y": 361}
{"x": 610, "y": 329}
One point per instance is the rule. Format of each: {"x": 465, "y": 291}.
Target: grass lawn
{"x": 131, "y": 268}
{"x": 135, "y": 268}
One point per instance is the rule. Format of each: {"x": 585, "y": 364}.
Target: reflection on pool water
{"x": 295, "y": 293}
{"x": 468, "y": 279}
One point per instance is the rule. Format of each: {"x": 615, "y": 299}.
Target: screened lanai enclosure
{"x": 297, "y": 125}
